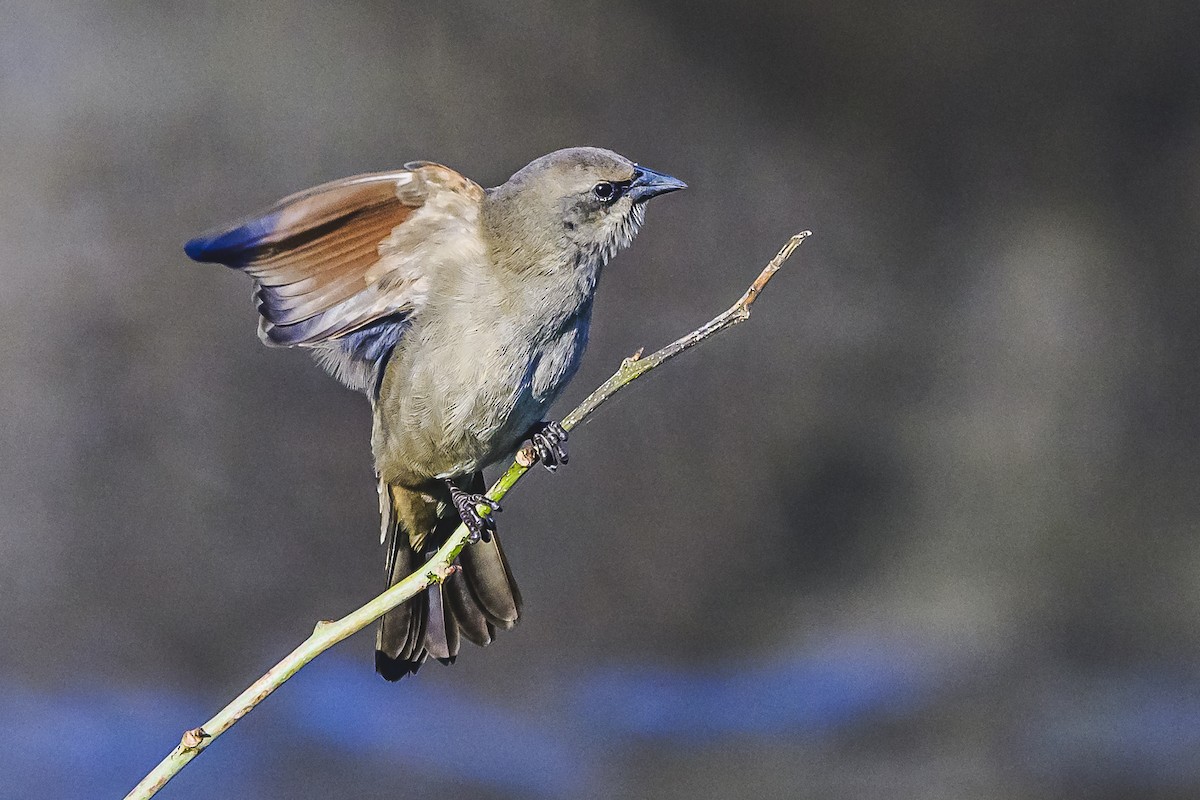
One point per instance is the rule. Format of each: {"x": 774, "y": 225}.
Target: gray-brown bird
{"x": 461, "y": 313}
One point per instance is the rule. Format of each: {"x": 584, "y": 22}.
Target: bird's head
{"x": 578, "y": 205}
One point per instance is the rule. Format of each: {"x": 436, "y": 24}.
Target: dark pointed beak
{"x": 647, "y": 183}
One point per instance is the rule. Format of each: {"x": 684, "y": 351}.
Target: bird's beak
{"x": 647, "y": 183}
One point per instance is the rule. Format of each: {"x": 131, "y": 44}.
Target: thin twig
{"x": 441, "y": 566}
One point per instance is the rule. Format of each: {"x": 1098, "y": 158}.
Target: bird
{"x": 461, "y": 313}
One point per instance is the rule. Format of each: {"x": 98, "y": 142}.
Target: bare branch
{"x": 328, "y": 633}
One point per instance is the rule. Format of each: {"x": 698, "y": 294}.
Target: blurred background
{"x": 926, "y": 527}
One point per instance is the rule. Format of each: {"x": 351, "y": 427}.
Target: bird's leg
{"x": 467, "y": 504}
{"x": 547, "y": 439}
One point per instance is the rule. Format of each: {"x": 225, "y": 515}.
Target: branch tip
{"x": 741, "y": 308}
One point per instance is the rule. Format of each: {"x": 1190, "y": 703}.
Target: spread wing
{"x": 341, "y": 268}
{"x": 335, "y": 259}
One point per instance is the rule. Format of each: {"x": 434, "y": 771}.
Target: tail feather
{"x": 486, "y": 573}
{"x": 471, "y": 604}
{"x": 441, "y": 632}
{"x": 415, "y": 637}
{"x": 471, "y": 620}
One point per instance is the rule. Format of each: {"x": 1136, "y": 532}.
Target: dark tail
{"x": 472, "y": 604}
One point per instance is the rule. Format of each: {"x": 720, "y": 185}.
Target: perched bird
{"x": 461, "y": 313}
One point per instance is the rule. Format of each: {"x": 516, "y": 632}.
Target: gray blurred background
{"x": 924, "y": 528}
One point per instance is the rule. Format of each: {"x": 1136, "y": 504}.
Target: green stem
{"x": 441, "y": 565}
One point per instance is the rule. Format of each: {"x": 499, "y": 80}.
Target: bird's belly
{"x": 468, "y": 406}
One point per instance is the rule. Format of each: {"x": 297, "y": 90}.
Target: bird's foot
{"x": 547, "y": 439}
{"x": 481, "y": 526}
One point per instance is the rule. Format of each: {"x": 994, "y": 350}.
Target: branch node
{"x": 321, "y": 625}
{"x": 443, "y": 575}
{"x": 526, "y": 456}
{"x": 193, "y": 738}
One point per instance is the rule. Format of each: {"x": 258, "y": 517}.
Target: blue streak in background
{"x": 809, "y": 693}
{"x": 88, "y": 743}
{"x": 344, "y": 706}
{"x": 99, "y": 743}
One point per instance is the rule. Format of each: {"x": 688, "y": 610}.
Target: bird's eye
{"x": 604, "y": 191}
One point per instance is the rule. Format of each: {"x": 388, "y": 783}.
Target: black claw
{"x": 467, "y": 504}
{"x": 547, "y": 439}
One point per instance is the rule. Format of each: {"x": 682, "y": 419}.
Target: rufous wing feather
{"x": 321, "y": 260}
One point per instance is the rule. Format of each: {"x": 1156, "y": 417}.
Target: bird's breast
{"x": 463, "y": 389}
